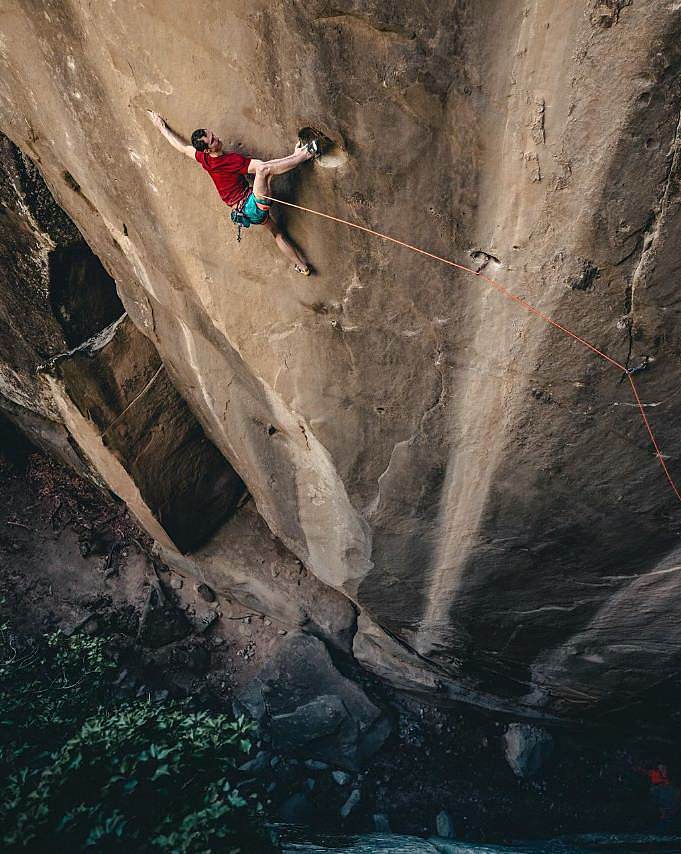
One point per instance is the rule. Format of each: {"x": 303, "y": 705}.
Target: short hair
{"x": 197, "y": 139}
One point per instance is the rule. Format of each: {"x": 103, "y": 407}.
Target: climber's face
{"x": 213, "y": 142}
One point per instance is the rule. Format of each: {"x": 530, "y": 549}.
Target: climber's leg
{"x": 285, "y": 245}
{"x": 266, "y": 169}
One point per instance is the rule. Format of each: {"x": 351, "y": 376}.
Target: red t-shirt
{"x": 227, "y": 172}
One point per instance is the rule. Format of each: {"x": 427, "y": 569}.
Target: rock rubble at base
{"x": 352, "y": 801}
{"x": 305, "y": 704}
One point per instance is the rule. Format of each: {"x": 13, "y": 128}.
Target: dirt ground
{"x": 71, "y": 559}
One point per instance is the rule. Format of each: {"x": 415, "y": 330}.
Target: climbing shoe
{"x": 304, "y": 271}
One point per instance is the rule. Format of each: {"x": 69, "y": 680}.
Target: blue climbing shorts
{"x": 257, "y": 210}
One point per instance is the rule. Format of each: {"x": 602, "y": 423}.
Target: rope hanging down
{"x": 519, "y": 300}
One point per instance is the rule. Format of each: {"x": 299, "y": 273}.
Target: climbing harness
{"x": 239, "y": 219}
{"x": 520, "y": 301}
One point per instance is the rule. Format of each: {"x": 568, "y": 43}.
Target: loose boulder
{"x": 306, "y": 706}
{"x": 527, "y": 748}
{"x": 444, "y": 825}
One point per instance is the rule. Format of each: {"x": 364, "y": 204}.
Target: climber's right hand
{"x": 157, "y": 121}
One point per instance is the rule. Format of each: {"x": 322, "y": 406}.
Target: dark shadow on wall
{"x": 117, "y": 382}
{"x": 13, "y": 444}
{"x": 82, "y": 294}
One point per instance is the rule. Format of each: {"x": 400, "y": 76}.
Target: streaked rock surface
{"x": 477, "y": 484}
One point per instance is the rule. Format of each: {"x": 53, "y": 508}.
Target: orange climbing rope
{"x": 506, "y": 293}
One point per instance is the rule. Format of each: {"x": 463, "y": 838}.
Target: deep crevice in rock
{"x": 332, "y": 154}
{"x": 82, "y": 294}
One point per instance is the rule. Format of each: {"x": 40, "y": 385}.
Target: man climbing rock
{"x": 228, "y": 170}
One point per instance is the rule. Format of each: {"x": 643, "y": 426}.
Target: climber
{"x": 227, "y": 171}
{"x": 658, "y": 776}
{"x": 664, "y": 794}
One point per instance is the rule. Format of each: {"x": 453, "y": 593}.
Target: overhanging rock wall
{"x": 107, "y": 408}
{"x": 477, "y": 483}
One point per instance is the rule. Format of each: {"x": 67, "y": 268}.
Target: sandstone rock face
{"x": 478, "y": 484}
{"x": 108, "y": 409}
{"x": 32, "y": 228}
{"x": 245, "y": 561}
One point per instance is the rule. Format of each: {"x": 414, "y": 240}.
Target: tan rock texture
{"x": 107, "y": 408}
{"x": 478, "y": 484}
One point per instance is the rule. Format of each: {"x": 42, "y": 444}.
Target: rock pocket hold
{"x": 332, "y": 155}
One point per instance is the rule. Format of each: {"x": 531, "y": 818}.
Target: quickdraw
{"x": 239, "y": 219}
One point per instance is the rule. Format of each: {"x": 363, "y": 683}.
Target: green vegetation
{"x": 80, "y": 771}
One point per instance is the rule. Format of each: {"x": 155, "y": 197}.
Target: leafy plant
{"x": 85, "y": 773}
{"x": 49, "y": 685}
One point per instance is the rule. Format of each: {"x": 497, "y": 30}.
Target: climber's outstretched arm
{"x": 176, "y": 141}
